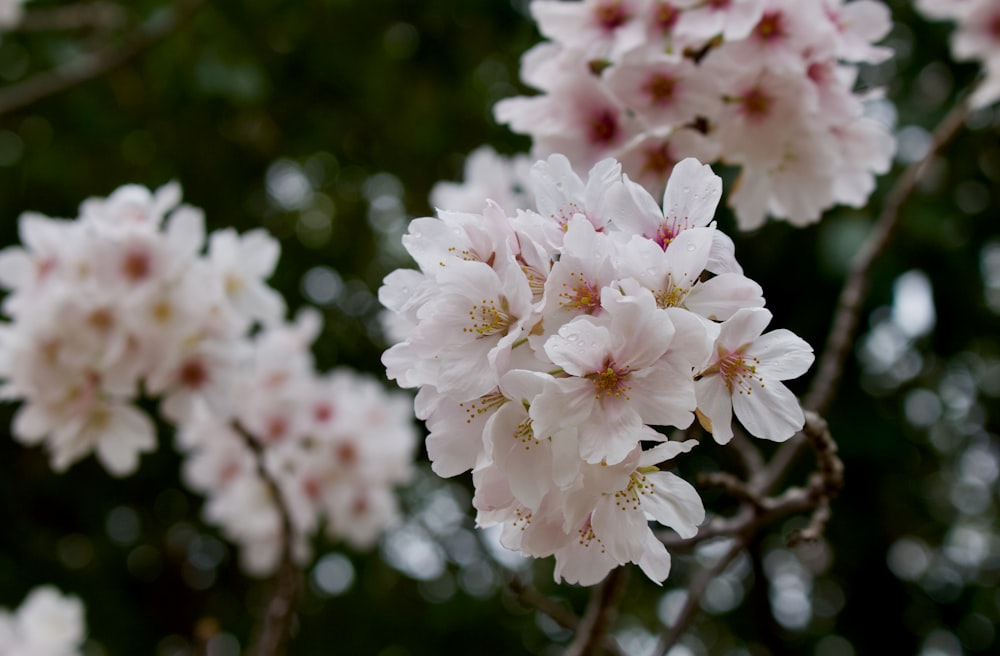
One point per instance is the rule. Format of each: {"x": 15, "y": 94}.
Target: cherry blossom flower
{"x": 48, "y": 623}
{"x": 744, "y": 377}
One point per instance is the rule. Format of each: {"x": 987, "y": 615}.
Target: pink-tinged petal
{"x": 743, "y": 327}
{"x": 259, "y": 253}
{"x": 674, "y": 502}
{"x": 602, "y": 177}
{"x": 584, "y": 562}
{"x": 665, "y": 451}
{"x": 782, "y": 354}
{"x": 630, "y": 208}
{"x": 31, "y": 424}
{"x": 693, "y": 339}
{"x": 493, "y": 499}
{"x": 663, "y": 395}
{"x": 565, "y": 403}
{"x": 16, "y": 267}
{"x": 655, "y": 559}
{"x": 456, "y": 428}
{"x": 186, "y": 230}
{"x": 403, "y": 289}
{"x": 621, "y": 525}
{"x": 688, "y": 255}
{"x": 769, "y": 411}
{"x": 453, "y": 451}
{"x": 716, "y": 407}
{"x": 722, "y": 257}
{"x": 526, "y": 460}
{"x": 611, "y": 433}
{"x": 565, "y": 458}
{"x": 129, "y": 433}
{"x": 580, "y": 346}
{"x": 523, "y": 385}
{"x": 692, "y": 194}
{"x": 721, "y": 297}
{"x": 647, "y": 330}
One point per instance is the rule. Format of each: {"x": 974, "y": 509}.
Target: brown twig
{"x": 559, "y": 613}
{"x": 855, "y": 291}
{"x": 852, "y": 297}
{"x": 695, "y": 590}
{"x": 758, "y": 510}
{"x": 88, "y": 67}
{"x": 273, "y": 631}
{"x": 82, "y": 16}
{"x": 592, "y": 633}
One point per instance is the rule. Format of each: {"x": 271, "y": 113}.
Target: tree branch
{"x": 855, "y": 290}
{"x": 559, "y": 613}
{"x": 592, "y": 633}
{"x": 273, "y": 631}
{"x": 695, "y": 591}
{"x": 50, "y": 83}
{"x": 85, "y": 15}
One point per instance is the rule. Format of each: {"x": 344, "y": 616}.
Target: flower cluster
{"x": 547, "y": 344}
{"x": 335, "y": 446}
{"x": 126, "y": 302}
{"x": 977, "y": 39}
{"x": 47, "y": 623}
{"x": 765, "y": 85}
{"x": 122, "y": 298}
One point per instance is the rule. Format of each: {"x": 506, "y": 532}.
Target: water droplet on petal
{"x": 691, "y": 247}
{"x": 572, "y": 337}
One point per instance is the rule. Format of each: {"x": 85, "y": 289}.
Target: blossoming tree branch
{"x": 569, "y": 333}
{"x": 577, "y": 323}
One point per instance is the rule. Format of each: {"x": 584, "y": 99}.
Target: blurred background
{"x": 327, "y": 122}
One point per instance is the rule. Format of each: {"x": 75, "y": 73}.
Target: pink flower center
{"x": 587, "y": 535}
{"x": 323, "y": 412}
{"x": 137, "y": 265}
{"x": 276, "y": 429}
{"x": 738, "y": 370}
{"x": 612, "y": 381}
{"x": 487, "y": 319}
{"x": 193, "y": 374}
{"x": 661, "y": 89}
{"x": 610, "y": 16}
{"x": 719, "y": 5}
{"x": 583, "y": 297}
{"x": 756, "y": 104}
{"x": 658, "y": 161}
{"x": 771, "y": 27}
{"x": 603, "y": 127}
{"x": 525, "y": 434}
{"x": 666, "y": 16}
{"x": 482, "y": 405}
{"x": 347, "y": 453}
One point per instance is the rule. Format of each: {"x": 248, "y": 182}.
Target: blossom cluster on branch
{"x": 47, "y": 623}
{"x": 124, "y": 303}
{"x": 335, "y": 445}
{"x": 547, "y": 344}
{"x": 765, "y": 85}
{"x": 976, "y": 39}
